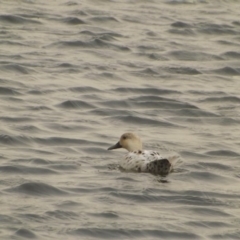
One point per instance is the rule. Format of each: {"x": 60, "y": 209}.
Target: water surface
{"x": 75, "y": 75}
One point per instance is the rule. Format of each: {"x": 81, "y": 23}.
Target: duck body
{"x": 138, "y": 160}
{"x": 146, "y": 161}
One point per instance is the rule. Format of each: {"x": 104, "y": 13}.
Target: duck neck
{"x": 135, "y": 147}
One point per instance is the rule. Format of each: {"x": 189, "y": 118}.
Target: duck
{"x": 139, "y": 160}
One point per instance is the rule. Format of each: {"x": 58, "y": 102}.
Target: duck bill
{"x": 117, "y": 145}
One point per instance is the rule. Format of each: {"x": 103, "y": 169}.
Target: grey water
{"x": 75, "y": 75}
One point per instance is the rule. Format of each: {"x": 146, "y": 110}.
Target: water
{"x": 75, "y": 75}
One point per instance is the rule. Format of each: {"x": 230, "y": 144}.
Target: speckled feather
{"x": 146, "y": 161}
{"x": 139, "y": 160}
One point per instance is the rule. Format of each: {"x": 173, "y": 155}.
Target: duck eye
{"x": 124, "y": 137}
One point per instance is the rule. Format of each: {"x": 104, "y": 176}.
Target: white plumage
{"x": 139, "y": 160}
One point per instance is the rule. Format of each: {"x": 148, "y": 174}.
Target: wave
{"x": 75, "y": 104}
{"x": 15, "y": 19}
{"x": 84, "y": 89}
{"x": 136, "y": 103}
{"x": 193, "y": 56}
{"x": 37, "y": 189}
{"x": 182, "y": 70}
{"x": 108, "y": 233}
{"x": 141, "y": 121}
{"x": 225, "y": 153}
{"x": 72, "y": 20}
{"x": 229, "y": 71}
{"x": 147, "y": 90}
{"x": 8, "y": 91}
{"x": 231, "y": 55}
{"x": 25, "y": 170}
{"x": 25, "y": 233}
{"x": 224, "y": 99}
{"x": 17, "y": 68}
{"x": 96, "y": 43}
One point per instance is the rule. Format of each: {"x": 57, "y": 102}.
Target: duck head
{"x": 129, "y": 141}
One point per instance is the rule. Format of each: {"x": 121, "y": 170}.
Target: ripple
{"x": 14, "y": 100}
{"x": 195, "y": 113}
{"x": 149, "y": 47}
{"x": 79, "y": 12}
{"x": 162, "y": 103}
{"x": 184, "y": 32}
{"x": 180, "y": 24}
{"x": 38, "y": 161}
{"x": 84, "y": 89}
{"x": 106, "y": 35}
{"x": 111, "y": 215}
{"x": 39, "y": 108}
{"x": 222, "y": 121}
{"x": 128, "y": 179}
{"x": 75, "y": 104}
{"x": 232, "y": 99}
{"x": 153, "y": 56}
{"x": 237, "y": 23}
{"x": 193, "y": 56}
{"x": 207, "y": 212}
{"x": 96, "y": 43}
{"x": 8, "y": 91}
{"x": 151, "y": 98}
{"x": 91, "y": 190}
{"x": 131, "y": 233}
{"x": 104, "y": 19}
{"x": 39, "y": 92}
{"x": 16, "y": 140}
{"x": 109, "y": 112}
{"x": 153, "y": 91}
{"x": 234, "y": 235}
{"x": 37, "y": 189}
{"x": 230, "y": 71}
{"x": 216, "y": 166}
{"x": 196, "y": 199}
{"x": 70, "y": 3}
{"x": 25, "y": 170}
{"x": 207, "y": 224}
{"x": 67, "y": 127}
{"x": 17, "y": 68}
{"x": 72, "y": 20}
{"x": 25, "y": 233}
{"x": 226, "y": 153}
{"x": 216, "y": 29}
{"x": 211, "y": 93}
{"x": 15, "y": 19}
{"x": 13, "y": 43}
{"x": 64, "y": 167}
{"x": 66, "y": 65}
{"x": 51, "y": 141}
{"x": 141, "y": 121}
{"x": 183, "y": 70}
{"x": 61, "y": 214}
{"x": 12, "y": 83}
{"x": 8, "y": 220}
{"x": 231, "y": 55}
{"x": 95, "y": 150}
{"x": 32, "y": 217}
{"x": 148, "y": 71}
{"x": 117, "y": 104}
{"x": 68, "y": 204}
{"x": 137, "y": 103}
{"x": 210, "y": 177}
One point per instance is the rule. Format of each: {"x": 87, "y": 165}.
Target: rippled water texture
{"x": 75, "y": 75}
